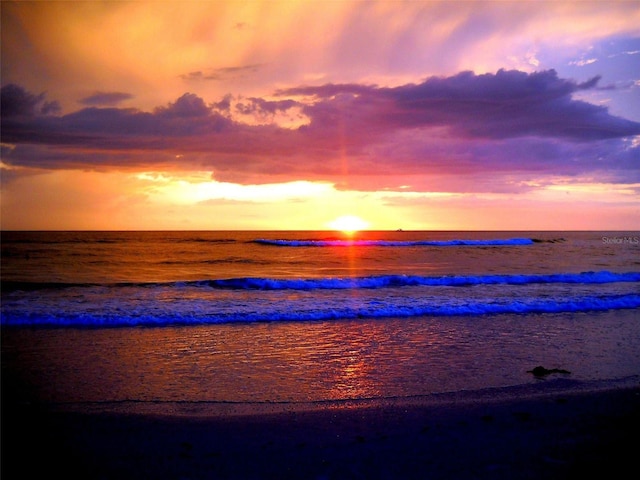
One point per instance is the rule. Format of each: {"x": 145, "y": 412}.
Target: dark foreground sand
{"x": 560, "y": 435}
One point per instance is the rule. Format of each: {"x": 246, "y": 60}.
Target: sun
{"x": 348, "y": 224}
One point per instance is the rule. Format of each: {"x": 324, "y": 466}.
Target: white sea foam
{"x": 393, "y": 243}
{"x": 386, "y": 281}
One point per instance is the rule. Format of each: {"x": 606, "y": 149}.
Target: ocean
{"x": 171, "y": 320}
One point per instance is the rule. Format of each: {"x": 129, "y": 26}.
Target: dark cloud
{"x": 105, "y": 99}
{"x": 506, "y": 128}
{"x": 18, "y": 102}
{"x": 223, "y": 105}
{"x": 188, "y": 105}
{"x": 260, "y": 106}
{"x": 503, "y": 105}
{"x": 107, "y": 128}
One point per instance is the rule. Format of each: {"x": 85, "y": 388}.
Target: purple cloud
{"x": 505, "y": 127}
{"x": 15, "y": 102}
{"x": 503, "y": 105}
{"x": 109, "y": 99}
{"x": 188, "y": 105}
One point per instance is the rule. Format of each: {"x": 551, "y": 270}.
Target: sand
{"x": 555, "y": 435}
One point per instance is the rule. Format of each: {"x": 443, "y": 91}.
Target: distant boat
{"x": 399, "y": 230}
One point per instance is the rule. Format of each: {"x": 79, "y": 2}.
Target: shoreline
{"x": 541, "y": 388}
{"x": 560, "y": 432}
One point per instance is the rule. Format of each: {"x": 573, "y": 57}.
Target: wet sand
{"x": 564, "y": 434}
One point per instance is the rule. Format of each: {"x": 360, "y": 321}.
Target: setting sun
{"x": 349, "y": 223}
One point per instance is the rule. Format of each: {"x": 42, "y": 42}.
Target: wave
{"x": 392, "y": 243}
{"x": 216, "y": 261}
{"x": 386, "y": 281}
{"x": 286, "y": 314}
{"x": 342, "y": 283}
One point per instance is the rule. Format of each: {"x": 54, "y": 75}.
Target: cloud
{"x": 18, "y": 102}
{"x": 506, "y": 128}
{"x": 503, "y": 105}
{"x": 188, "y": 105}
{"x": 105, "y": 98}
{"x": 224, "y": 73}
{"x": 582, "y": 63}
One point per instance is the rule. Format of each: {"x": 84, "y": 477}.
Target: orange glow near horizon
{"x": 172, "y": 201}
{"x": 349, "y": 224}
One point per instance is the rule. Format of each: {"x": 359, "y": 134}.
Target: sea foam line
{"x": 387, "y": 281}
{"x": 392, "y": 243}
{"x": 285, "y": 313}
{"x": 342, "y": 283}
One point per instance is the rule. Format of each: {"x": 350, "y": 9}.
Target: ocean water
{"x": 169, "y": 318}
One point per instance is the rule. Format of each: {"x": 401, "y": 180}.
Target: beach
{"x": 560, "y": 434}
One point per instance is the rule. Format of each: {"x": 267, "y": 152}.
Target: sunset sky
{"x": 218, "y": 115}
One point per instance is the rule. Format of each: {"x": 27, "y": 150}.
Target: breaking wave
{"x": 386, "y": 281}
{"x": 341, "y": 283}
{"x": 392, "y": 243}
{"x": 289, "y": 313}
